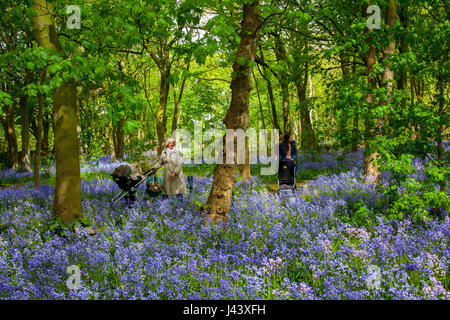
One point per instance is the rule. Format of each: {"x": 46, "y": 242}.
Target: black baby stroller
{"x": 128, "y": 185}
{"x": 286, "y": 177}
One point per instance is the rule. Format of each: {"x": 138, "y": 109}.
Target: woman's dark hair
{"x": 286, "y": 138}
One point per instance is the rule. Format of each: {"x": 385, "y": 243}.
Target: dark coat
{"x": 282, "y": 148}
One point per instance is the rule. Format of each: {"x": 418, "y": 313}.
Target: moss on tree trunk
{"x": 371, "y": 167}
{"x": 219, "y": 199}
{"x": 67, "y": 200}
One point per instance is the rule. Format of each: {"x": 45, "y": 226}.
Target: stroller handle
{"x": 124, "y": 193}
{"x": 144, "y": 174}
{"x": 151, "y": 170}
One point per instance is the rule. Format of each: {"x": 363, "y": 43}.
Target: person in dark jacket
{"x": 288, "y": 150}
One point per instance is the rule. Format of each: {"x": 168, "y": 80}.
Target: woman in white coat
{"x": 173, "y": 178}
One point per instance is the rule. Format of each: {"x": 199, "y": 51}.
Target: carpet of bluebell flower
{"x": 273, "y": 247}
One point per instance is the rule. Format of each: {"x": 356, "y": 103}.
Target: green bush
{"x": 412, "y": 191}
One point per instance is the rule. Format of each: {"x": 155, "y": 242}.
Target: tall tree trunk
{"x": 281, "y": 56}
{"x": 276, "y": 125}
{"x": 286, "y": 112}
{"x": 308, "y": 137}
{"x": 343, "y": 121}
{"x": 245, "y": 168}
{"x": 441, "y": 128}
{"x": 418, "y": 89}
{"x": 355, "y": 130}
{"x": 161, "y": 116}
{"x": 372, "y": 170}
{"x": 176, "y": 112}
{"x": 67, "y": 200}
{"x": 67, "y": 203}
{"x": 259, "y": 100}
{"x": 25, "y": 155}
{"x": 4, "y": 147}
{"x": 13, "y": 152}
{"x": 219, "y": 198}
{"x": 177, "y": 102}
{"x": 388, "y": 74}
{"x": 273, "y": 107}
{"x": 79, "y": 129}
{"x": 119, "y": 139}
{"x": 45, "y": 145}
{"x": 5, "y": 130}
{"x": 37, "y": 156}
{"x": 403, "y": 79}
{"x": 111, "y": 137}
